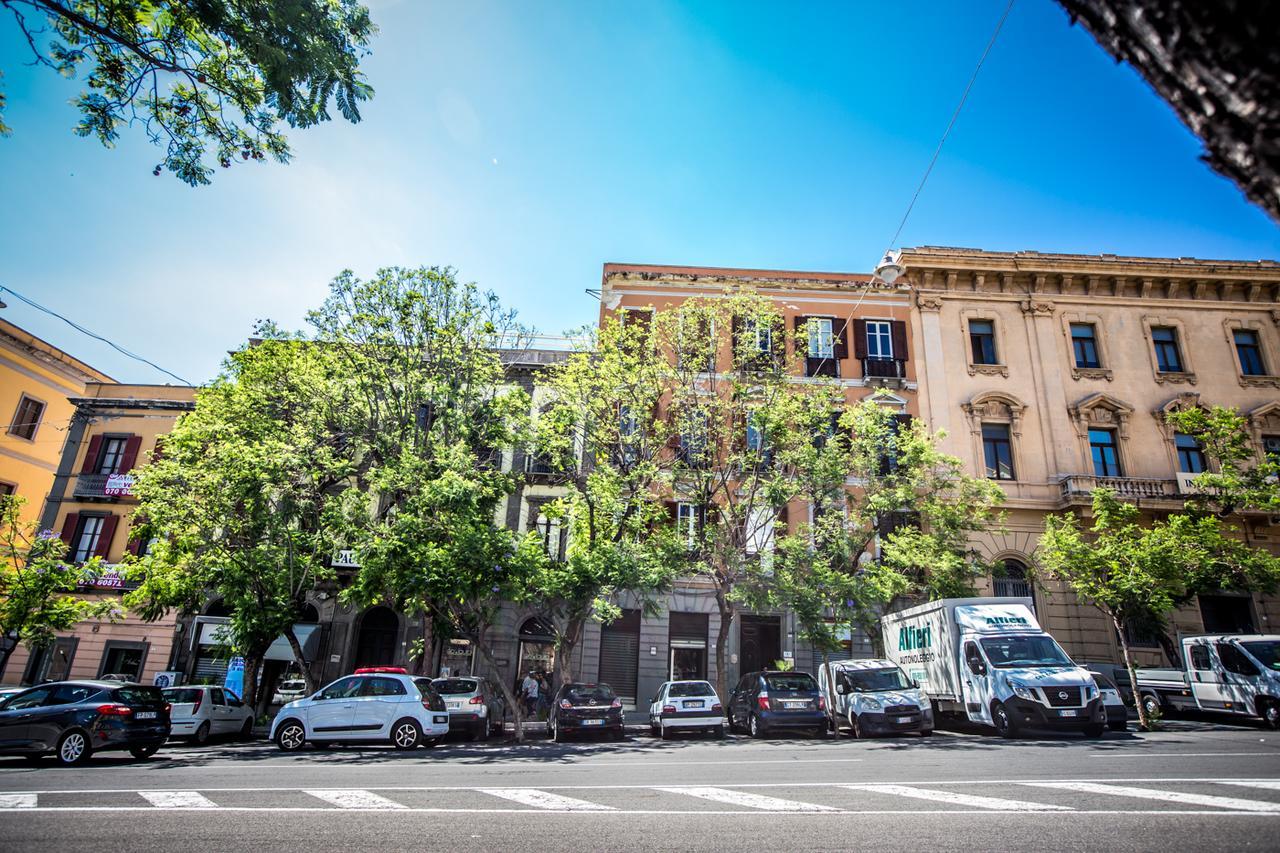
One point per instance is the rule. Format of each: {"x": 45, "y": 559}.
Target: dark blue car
{"x": 74, "y": 719}
{"x": 764, "y": 702}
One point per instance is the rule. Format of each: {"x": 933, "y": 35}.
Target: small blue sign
{"x": 235, "y": 676}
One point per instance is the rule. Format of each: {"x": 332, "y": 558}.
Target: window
{"x": 217, "y": 697}
{"x": 759, "y": 335}
{"x": 1200, "y": 658}
{"x": 982, "y": 341}
{"x": 87, "y": 536}
{"x": 111, "y": 455}
{"x": 74, "y": 694}
{"x": 1191, "y": 458}
{"x": 549, "y": 533}
{"x": 821, "y": 340}
{"x": 123, "y": 659}
{"x": 343, "y": 689}
{"x": 30, "y": 699}
{"x": 1011, "y": 581}
{"x": 759, "y": 533}
{"x": 1084, "y": 344}
{"x": 1102, "y": 444}
{"x": 1271, "y": 447}
{"x": 998, "y": 451}
{"x": 26, "y": 420}
{"x": 1249, "y": 351}
{"x": 628, "y": 435}
{"x": 1234, "y": 660}
{"x": 1168, "y": 356}
{"x": 7, "y": 489}
{"x": 879, "y": 339}
{"x": 755, "y": 436}
{"x": 688, "y": 524}
{"x": 382, "y": 687}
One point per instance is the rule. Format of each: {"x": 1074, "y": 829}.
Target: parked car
{"x": 1112, "y": 702}
{"x": 582, "y": 708}
{"x": 74, "y": 719}
{"x": 874, "y": 697}
{"x": 288, "y": 690}
{"x": 473, "y": 705}
{"x": 1118, "y": 674}
{"x": 202, "y": 712}
{"x": 687, "y": 705}
{"x": 372, "y": 704}
{"x": 768, "y": 701}
{"x": 1227, "y": 673}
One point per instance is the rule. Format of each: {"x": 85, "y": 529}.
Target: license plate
{"x": 795, "y": 704}
{"x": 145, "y": 715}
{"x": 903, "y": 720}
{"x": 1067, "y": 713}
{"x": 593, "y": 722}
{"x": 697, "y": 704}
{"x": 453, "y": 706}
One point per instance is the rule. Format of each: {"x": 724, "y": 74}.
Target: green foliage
{"x": 1243, "y": 478}
{"x": 38, "y": 585}
{"x": 207, "y": 79}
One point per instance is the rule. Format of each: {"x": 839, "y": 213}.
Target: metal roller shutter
{"x": 620, "y": 655}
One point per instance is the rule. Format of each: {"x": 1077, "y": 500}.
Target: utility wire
{"x": 937, "y": 151}
{"x": 93, "y": 335}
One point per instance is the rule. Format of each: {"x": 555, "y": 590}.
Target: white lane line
{"x": 972, "y": 801}
{"x": 177, "y": 800}
{"x": 543, "y": 800}
{"x": 1232, "y": 803}
{"x": 1185, "y": 755}
{"x": 753, "y": 801}
{"x": 737, "y": 813}
{"x": 1264, "y": 784}
{"x": 17, "y": 801}
{"x": 349, "y": 799}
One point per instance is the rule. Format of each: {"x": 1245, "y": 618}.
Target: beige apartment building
{"x": 1052, "y": 374}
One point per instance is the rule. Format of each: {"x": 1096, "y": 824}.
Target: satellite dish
{"x": 888, "y": 270}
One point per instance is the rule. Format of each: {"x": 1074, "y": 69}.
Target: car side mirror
{"x": 842, "y": 688}
{"x": 977, "y": 667}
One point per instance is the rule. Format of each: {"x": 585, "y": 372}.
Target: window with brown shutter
{"x": 840, "y": 339}
{"x": 27, "y": 417}
{"x": 899, "y": 331}
{"x": 91, "y": 455}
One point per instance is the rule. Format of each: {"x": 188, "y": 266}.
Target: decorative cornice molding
{"x": 1038, "y": 307}
{"x": 989, "y": 370}
{"x": 929, "y": 302}
{"x": 1091, "y": 373}
{"x": 1175, "y": 379}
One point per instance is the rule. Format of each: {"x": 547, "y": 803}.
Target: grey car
{"x": 474, "y": 705}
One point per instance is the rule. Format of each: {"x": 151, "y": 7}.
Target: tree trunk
{"x": 727, "y": 611}
{"x": 1144, "y": 723}
{"x": 513, "y": 704}
{"x": 304, "y": 665}
{"x": 5, "y": 654}
{"x": 566, "y": 643}
{"x": 426, "y": 661}
{"x": 250, "y": 697}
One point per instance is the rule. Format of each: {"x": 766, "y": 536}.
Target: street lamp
{"x": 889, "y": 269}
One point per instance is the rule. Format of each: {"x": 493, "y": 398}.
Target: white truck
{"x": 874, "y": 697}
{"x": 1227, "y": 673}
{"x": 988, "y": 661}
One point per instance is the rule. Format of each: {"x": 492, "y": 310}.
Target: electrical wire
{"x": 93, "y": 335}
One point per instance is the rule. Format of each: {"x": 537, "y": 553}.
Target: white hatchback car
{"x": 379, "y": 703}
{"x": 686, "y": 705}
{"x": 202, "y": 712}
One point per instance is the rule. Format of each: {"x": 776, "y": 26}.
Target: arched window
{"x": 1011, "y": 581}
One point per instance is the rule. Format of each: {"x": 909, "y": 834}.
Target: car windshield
{"x": 795, "y": 682}
{"x": 454, "y": 686}
{"x": 179, "y": 695}
{"x": 582, "y": 694}
{"x": 1266, "y": 652}
{"x": 691, "y": 688}
{"x": 1103, "y": 682}
{"x": 1034, "y": 651}
{"x": 137, "y": 694}
{"x": 876, "y": 680}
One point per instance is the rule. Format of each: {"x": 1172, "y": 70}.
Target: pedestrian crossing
{"x": 1248, "y": 797}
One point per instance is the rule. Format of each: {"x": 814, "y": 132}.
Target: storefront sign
{"x": 107, "y": 578}
{"x": 118, "y": 485}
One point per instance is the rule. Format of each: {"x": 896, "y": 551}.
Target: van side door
{"x": 1239, "y": 678}
{"x": 975, "y": 683}
{"x": 1207, "y": 677}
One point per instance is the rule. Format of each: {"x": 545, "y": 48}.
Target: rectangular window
{"x": 7, "y": 489}
{"x": 879, "y": 339}
{"x": 998, "y": 451}
{"x": 1168, "y": 356}
{"x": 1250, "y": 352}
{"x": 760, "y": 336}
{"x": 1084, "y": 343}
{"x": 821, "y": 340}
{"x": 982, "y": 341}
{"x": 111, "y": 455}
{"x": 1270, "y": 447}
{"x": 86, "y": 539}
{"x": 1106, "y": 461}
{"x": 687, "y": 524}
{"x": 1191, "y": 458}
{"x": 26, "y": 420}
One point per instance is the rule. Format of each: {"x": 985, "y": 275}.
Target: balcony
{"x": 1080, "y": 487}
{"x": 103, "y": 486}
{"x": 885, "y": 370}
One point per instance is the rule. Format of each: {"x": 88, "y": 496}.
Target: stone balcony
{"x": 1079, "y": 488}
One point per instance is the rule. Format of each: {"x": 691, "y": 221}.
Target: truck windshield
{"x": 1265, "y": 652}
{"x": 876, "y": 680}
{"x": 1041, "y": 650}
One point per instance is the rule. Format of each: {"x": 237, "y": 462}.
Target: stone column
{"x": 933, "y": 376}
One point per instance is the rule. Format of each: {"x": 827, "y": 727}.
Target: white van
{"x": 874, "y": 697}
{"x": 987, "y": 660}
{"x": 1227, "y": 673}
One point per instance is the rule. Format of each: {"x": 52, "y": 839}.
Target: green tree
{"x": 38, "y": 585}
{"x": 243, "y": 499}
{"x": 1137, "y": 573}
{"x": 208, "y": 80}
{"x": 1242, "y": 477}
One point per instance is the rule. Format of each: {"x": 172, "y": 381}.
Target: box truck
{"x": 1227, "y": 673}
{"x": 988, "y": 661}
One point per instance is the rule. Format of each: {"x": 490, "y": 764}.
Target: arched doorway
{"x": 308, "y": 615}
{"x": 1011, "y": 580}
{"x": 376, "y": 643}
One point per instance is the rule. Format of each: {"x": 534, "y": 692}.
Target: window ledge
{"x": 989, "y": 370}
{"x": 1175, "y": 378}
{"x": 1251, "y": 381}
{"x": 1091, "y": 373}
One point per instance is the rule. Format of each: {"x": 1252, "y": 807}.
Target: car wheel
{"x": 201, "y": 737}
{"x": 855, "y": 730}
{"x": 655, "y": 730}
{"x": 820, "y": 732}
{"x": 1271, "y": 714}
{"x": 73, "y": 748}
{"x": 753, "y": 726}
{"x": 718, "y": 731}
{"x": 556, "y": 734}
{"x": 405, "y": 735}
{"x": 664, "y": 732}
{"x": 144, "y": 752}
{"x": 1003, "y": 721}
{"x": 1151, "y": 704}
{"x": 926, "y": 733}
{"x": 291, "y": 736}
{"x": 481, "y": 732}
{"x": 246, "y": 731}
{"x": 620, "y": 733}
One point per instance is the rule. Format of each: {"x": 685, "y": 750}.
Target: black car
{"x": 74, "y": 719}
{"x": 768, "y": 701}
{"x": 585, "y": 708}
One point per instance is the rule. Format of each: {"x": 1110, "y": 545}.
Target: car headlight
{"x": 1024, "y": 691}
{"x": 1091, "y": 692}
{"x": 872, "y": 704}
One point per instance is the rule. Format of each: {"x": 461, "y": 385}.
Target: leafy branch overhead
{"x": 209, "y": 80}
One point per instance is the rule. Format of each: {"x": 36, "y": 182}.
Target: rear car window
{"x": 137, "y": 694}
{"x": 581, "y": 694}
{"x": 799, "y": 682}
{"x": 697, "y": 688}
{"x": 426, "y": 688}
{"x": 1103, "y": 682}
{"x": 382, "y": 687}
{"x": 453, "y": 686}
{"x": 181, "y": 695}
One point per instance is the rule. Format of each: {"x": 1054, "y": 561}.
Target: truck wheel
{"x": 1151, "y": 704}
{"x": 1270, "y": 712}
{"x": 1004, "y": 722}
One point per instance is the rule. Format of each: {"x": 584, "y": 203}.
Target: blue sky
{"x": 526, "y": 144}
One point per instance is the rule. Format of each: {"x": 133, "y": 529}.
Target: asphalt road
{"x": 1202, "y": 785}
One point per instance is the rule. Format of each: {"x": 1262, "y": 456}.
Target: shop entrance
{"x": 760, "y": 642}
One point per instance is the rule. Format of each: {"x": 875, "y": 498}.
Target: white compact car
{"x": 202, "y": 712}
{"x": 289, "y": 689}
{"x": 378, "y": 703}
{"x": 688, "y": 705}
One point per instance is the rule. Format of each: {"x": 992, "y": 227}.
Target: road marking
{"x": 970, "y": 800}
{"x": 1186, "y": 755}
{"x": 177, "y": 800}
{"x": 543, "y": 800}
{"x": 736, "y": 813}
{"x": 742, "y": 798}
{"x": 1264, "y": 784}
{"x": 1233, "y": 803}
{"x": 17, "y": 801}
{"x": 349, "y": 799}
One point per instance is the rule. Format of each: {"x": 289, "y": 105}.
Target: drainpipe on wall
{"x": 70, "y": 448}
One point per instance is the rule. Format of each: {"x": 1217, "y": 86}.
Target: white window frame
{"x": 762, "y": 334}
{"x": 687, "y": 523}
{"x": 90, "y": 532}
{"x": 760, "y": 533}
{"x": 822, "y": 343}
{"x": 879, "y": 339}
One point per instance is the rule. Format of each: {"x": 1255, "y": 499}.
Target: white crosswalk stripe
{"x": 1232, "y": 803}
{"x": 18, "y": 801}
{"x": 545, "y": 800}
{"x": 355, "y": 799}
{"x": 968, "y": 800}
{"x": 753, "y": 801}
{"x": 177, "y": 800}
{"x": 1264, "y": 784}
